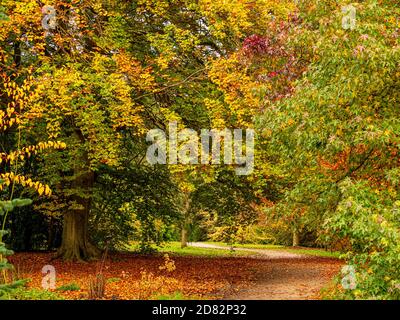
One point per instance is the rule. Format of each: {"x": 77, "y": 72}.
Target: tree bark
{"x": 51, "y": 235}
{"x": 184, "y": 237}
{"x": 296, "y": 238}
{"x": 185, "y": 223}
{"x": 75, "y": 245}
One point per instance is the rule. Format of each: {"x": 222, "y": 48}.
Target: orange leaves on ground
{"x": 130, "y": 276}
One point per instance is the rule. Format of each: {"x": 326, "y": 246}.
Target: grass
{"x": 177, "y": 295}
{"x": 69, "y": 287}
{"x": 248, "y": 246}
{"x": 174, "y": 248}
{"x": 112, "y": 280}
{"x": 317, "y": 252}
{"x": 173, "y": 296}
{"x": 33, "y": 294}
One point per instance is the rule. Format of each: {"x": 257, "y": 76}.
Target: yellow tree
{"x": 15, "y": 98}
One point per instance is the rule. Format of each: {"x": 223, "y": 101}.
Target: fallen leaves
{"x": 195, "y": 277}
{"x": 131, "y": 276}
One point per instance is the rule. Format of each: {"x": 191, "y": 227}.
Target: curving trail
{"x": 282, "y": 275}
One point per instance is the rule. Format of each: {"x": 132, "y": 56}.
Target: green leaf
{"x": 3, "y": 16}
{"x": 21, "y": 202}
{"x": 7, "y": 206}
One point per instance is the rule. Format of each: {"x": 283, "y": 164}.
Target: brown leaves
{"x": 130, "y": 276}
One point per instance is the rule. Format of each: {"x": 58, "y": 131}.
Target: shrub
{"x": 370, "y": 221}
{"x": 112, "y": 280}
{"x": 33, "y": 294}
{"x": 69, "y": 287}
{"x": 97, "y": 286}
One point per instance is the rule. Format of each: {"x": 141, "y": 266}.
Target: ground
{"x": 283, "y": 274}
{"x": 253, "y": 274}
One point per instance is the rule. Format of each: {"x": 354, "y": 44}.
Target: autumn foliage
{"x": 83, "y": 82}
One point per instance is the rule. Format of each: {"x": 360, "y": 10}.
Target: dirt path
{"x": 282, "y": 275}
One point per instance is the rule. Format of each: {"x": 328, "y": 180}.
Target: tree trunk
{"x": 75, "y": 245}
{"x": 296, "y": 238}
{"x": 184, "y": 237}
{"x": 185, "y": 223}
{"x": 50, "y": 237}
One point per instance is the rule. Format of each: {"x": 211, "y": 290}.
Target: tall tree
{"x": 104, "y": 69}
{"x": 338, "y": 136}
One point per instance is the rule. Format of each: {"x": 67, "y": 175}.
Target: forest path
{"x": 283, "y": 275}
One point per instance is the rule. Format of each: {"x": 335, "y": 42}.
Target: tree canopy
{"x": 83, "y": 82}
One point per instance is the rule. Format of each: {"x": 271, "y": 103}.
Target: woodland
{"x": 84, "y": 215}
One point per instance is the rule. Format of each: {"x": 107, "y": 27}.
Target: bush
{"x": 112, "y": 280}
{"x": 69, "y": 287}
{"x": 370, "y": 221}
{"x": 33, "y": 294}
{"x": 177, "y": 295}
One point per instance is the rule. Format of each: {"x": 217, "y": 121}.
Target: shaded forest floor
{"x": 257, "y": 274}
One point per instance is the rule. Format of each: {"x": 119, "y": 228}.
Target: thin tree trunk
{"x": 185, "y": 224}
{"x": 296, "y": 238}
{"x": 184, "y": 237}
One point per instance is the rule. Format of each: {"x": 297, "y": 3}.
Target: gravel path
{"x": 283, "y": 275}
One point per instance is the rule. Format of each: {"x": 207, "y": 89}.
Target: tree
{"x": 92, "y": 127}
{"x": 106, "y": 70}
{"x": 337, "y": 137}
{"x": 225, "y": 205}
{"x": 255, "y": 78}
{"x": 133, "y": 203}
{"x": 15, "y": 99}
